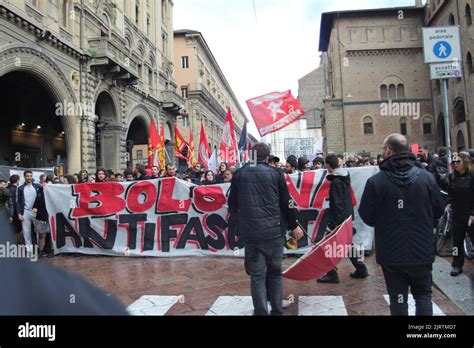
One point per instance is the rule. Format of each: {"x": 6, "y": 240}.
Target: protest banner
{"x": 171, "y": 218}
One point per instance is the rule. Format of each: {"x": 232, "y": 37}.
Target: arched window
{"x": 400, "y": 91}
{"x": 427, "y": 125}
{"x": 392, "y": 92}
{"x": 383, "y": 92}
{"x": 451, "y": 20}
{"x": 105, "y": 27}
{"x": 459, "y": 111}
{"x": 460, "y": 141}
{"x": 128, "y": 42}
{"x": 403, "y": 126}
{"x": 467, "y": 15}
{"x": 368, "y": 125}
{"x": 469, "y": 66}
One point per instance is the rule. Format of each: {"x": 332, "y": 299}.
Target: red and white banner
{"x": 170, "y": 217}
{"x": 274, "y": 111}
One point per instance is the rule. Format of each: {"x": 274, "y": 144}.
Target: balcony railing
{"x": 172, "y": 101}
{"x": 199, "y": 88}
{"x": 106, "y": 53}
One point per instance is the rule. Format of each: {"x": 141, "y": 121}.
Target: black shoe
{"x": 50, "y": 254}
{"x": 456, "y": 271}
{"x": 360, "y": 274}
{"x": 329, "y": 279}
{"x": 42, "y": 253}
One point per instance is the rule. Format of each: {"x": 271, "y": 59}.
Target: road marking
{"x": 321, "y": 305}
{"x": 232, "y": 305}
{"x": 412, "y": 308}
{"x": 152, "y": 305}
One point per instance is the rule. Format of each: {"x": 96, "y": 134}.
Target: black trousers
{"x": 460, "y": 228}
{"x": 263, "y": 263}
{"x": 416, "y": 277}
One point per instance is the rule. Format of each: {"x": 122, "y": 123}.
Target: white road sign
{"x": 445, "y": 70}
{"x": 442, "y": 44}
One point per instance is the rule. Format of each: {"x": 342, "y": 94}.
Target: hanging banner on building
{"x": 170, "y": 217}
{"x": 274, "y": 111}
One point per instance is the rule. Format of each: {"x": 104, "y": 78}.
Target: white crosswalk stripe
{"x": 243, "y": 306}
{"x": 411, "y": 306}
{"x": 321, "y": 305}
{"x": 152, "y": 305}
{"x": 232, "y": 305}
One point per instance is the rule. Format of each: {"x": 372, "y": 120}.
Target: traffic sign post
{"x": 442, "y": 50}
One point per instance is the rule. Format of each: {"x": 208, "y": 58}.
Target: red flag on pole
{"x": 274, "y": 111}
{"x": 228, "y": 146}
{"x": 324, "y": 256}
{"x": 153, "y": 143}
{"x": 180, "y": 144}
{"x": 204, "y": 152}
{"x": 191, "y": 155}
{"x": 162, "y": 148}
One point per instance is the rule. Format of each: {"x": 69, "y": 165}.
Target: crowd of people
{"x": 402, "y": 203}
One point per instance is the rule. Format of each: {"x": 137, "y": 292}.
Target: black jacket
{"x": 20, "y": 199}
{"x": 439, "y": 168}
{"x": 40, "y": 204}
{"x": 402, "y": 202}
{"x": 340, "y": 198}
{"x": 461, "y": 196}
{"x": 259, "y": 195}
{"x": 35, "y": 288}
{"x": 13, "y": 189}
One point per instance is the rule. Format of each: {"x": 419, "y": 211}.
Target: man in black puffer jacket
{"x": 259, "y": 196}
{"x": 402, "y": 202}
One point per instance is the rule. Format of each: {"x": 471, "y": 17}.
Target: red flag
{"x": 162, "y": 148}
{"x": 415, "y": 148}
{"x": 204, "y": 152}
{"x": 180, "y": 145}
{"x": 228, "y": 144}
{"x": 191, "y": 155}
{"x": 274, "y": 111}
{"x": 324, "y": 256}
{"x": 153, "y": 142}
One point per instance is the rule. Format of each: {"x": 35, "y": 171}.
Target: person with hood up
{"x": 403, "y": 202}
{"x": 340, "y": 209}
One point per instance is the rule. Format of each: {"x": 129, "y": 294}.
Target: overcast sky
{"x": 267, "y": 49}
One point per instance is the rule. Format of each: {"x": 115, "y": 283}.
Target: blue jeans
{"x": 418, "y": 278}
{"x": 263, "y": 264}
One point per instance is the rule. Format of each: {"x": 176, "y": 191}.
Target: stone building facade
{"x": 93, "y": 74}
{"x": 440, "y": 13}
{"x": 376, "y": 79}
{"x": 205, "y": 89}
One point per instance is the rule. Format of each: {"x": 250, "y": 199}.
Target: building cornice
{"x": 27, "y": 25}
{"x": 384, "y": 51}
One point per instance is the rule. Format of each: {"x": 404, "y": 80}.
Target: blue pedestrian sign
{"x": 442, "y": 49}
{"x": 442, "y": 45}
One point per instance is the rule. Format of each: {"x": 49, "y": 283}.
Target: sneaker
{"x": 360, "y": 274}
{"x": 284, "y": 304}
{"x": 329, "y": 279}
{"x": 456, "y": 271}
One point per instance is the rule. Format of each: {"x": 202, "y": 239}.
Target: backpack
{"x": 441, "y": 175}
